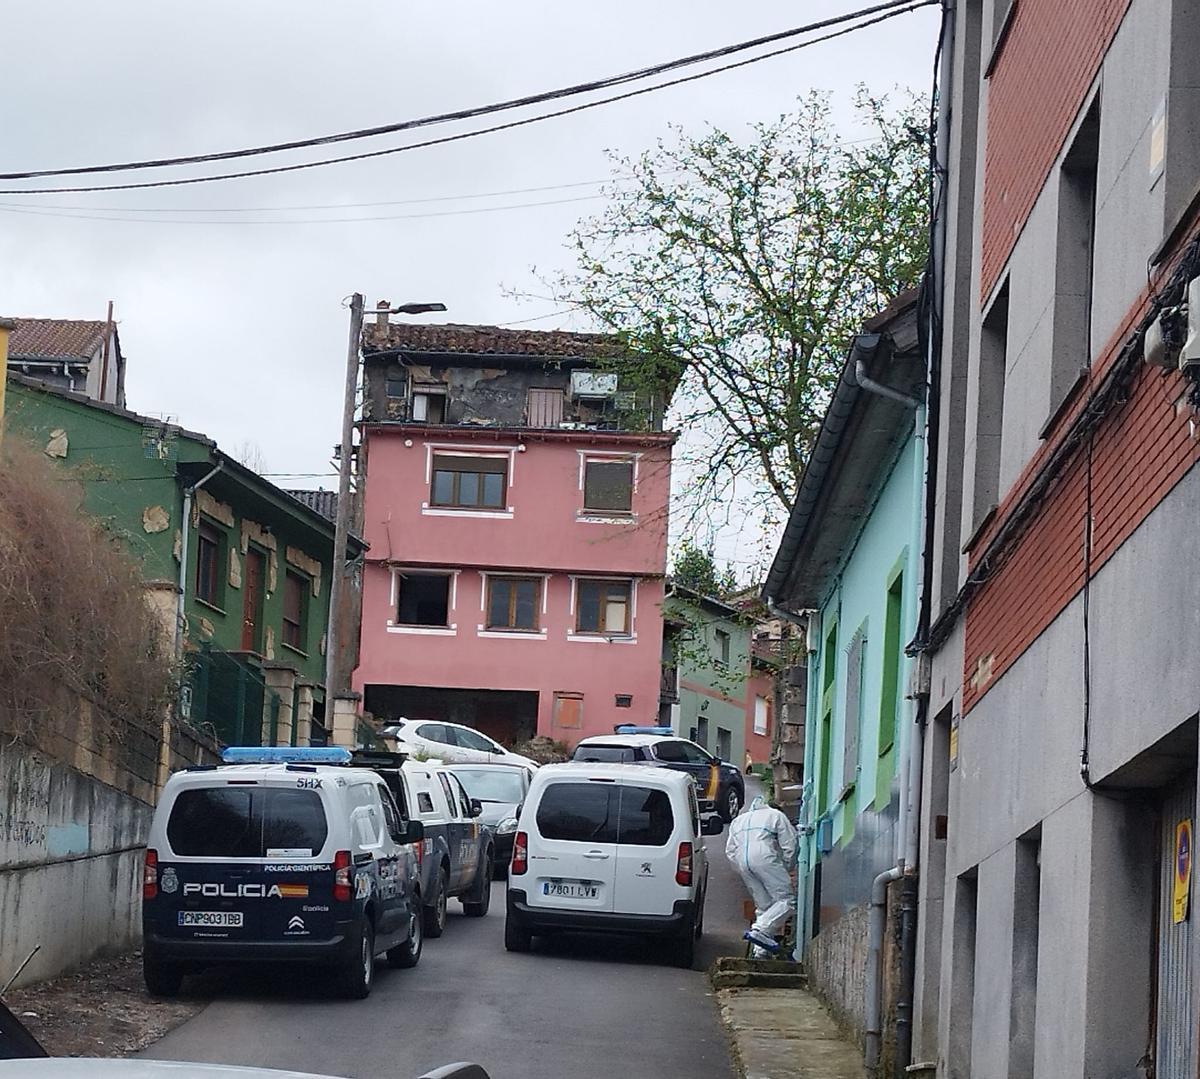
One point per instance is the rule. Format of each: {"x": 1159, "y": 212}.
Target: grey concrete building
{"x": 1059, "y": 786}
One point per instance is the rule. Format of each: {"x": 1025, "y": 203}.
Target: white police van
{"x": 280, "y": 855}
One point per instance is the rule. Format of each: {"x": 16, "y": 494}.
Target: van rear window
{"x": 607, "y": 754}
{"x": 579, "y": 812}
{"x": 246, "y": 822}
{"x": 604, "y": 813}
{"x": 646, "y": 817}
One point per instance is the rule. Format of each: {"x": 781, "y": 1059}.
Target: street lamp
{"x": 342, "y": 523}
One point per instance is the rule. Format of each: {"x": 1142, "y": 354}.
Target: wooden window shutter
{"x": 568, "y": 710}
{"x": 853, "y": 712}
{"x": 545, "y": 408}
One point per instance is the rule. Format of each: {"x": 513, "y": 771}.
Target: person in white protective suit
{"x": 762, "y": 847}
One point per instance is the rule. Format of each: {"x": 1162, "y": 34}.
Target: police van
{"x": 280, "y": 855}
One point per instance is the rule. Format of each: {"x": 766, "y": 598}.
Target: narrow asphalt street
{"x": 587, "y": 1008}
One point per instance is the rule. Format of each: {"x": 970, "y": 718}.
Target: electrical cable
{"x": 329, "y": 205}
{"x": 892, "y": 10}
{"x": 463, "y": 211}
{"x": 462, "y": 114}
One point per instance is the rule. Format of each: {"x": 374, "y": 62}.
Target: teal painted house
{"x": 248, "y": 608}
{"x": 705, "y": 667}
{"x": 850, "y": 559}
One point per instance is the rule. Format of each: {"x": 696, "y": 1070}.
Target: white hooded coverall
{"x": 762, "y": 847}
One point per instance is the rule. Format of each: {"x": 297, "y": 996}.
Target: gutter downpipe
{"x": 184, "y": 536}
{"x": 909, "y": 899}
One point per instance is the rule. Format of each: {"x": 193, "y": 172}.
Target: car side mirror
{"x": 413, "y": 831}
{"x": 476, "y": 808}
{"x": 712, "y": 825}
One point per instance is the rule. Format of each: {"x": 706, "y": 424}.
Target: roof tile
{"x": 55, "y": 338}
{"x": 485, "y": 340}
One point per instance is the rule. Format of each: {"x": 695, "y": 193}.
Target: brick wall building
{"x": 1061, "y": 760}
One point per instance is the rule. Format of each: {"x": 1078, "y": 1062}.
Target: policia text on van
{"x": 280, "y": 855}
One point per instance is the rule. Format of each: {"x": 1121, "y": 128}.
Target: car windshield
{"x": 492, "y": 784}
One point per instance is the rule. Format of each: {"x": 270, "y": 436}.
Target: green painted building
{"x": 237, "y": 569}
{"x": 706, "y": 662}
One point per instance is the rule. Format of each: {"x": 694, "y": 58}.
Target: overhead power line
{"x": 45, "y": 212}
{"x": 889, "y": 10}
{"x": 459, "y": 114}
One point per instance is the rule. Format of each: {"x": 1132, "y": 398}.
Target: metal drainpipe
{"x": 184, "y": 535}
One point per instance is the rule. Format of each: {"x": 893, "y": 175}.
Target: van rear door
{"x": 245, "y": 862}
{"x": 647, "y": 851}
{"x": 572, "y": 845}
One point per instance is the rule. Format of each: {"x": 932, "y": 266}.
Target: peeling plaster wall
{"x": 478, "y": 395}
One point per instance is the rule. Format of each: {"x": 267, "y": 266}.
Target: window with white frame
{"x": 608, "y": 485}
{"x": 423, "y": 599}
{"x": 465, "y": 482}
{"x": 762, "y": 715}
{"x": 604, "y": 607}
{"x": 512, "y": 603}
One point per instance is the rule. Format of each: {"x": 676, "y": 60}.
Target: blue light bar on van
{"x": 630, "y": 728}
{"x": 285, "y": 755}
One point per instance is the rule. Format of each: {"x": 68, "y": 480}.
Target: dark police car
{"x": 280, "y": 855}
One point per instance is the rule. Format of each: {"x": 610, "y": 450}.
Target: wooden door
{"x": 253, "y": 582}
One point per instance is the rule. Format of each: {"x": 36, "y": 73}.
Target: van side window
{"x": 391, "y": 815}
{"x": 424, "y": 802}
{"x": 672, "y": 752}
{"x": 463, "y": 800}
{"x": 449, "y": 793}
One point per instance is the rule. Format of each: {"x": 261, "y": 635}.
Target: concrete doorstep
{"x": 785, "y": 1033}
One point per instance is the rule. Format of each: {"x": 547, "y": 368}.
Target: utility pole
{"x": 342, "y": 525}
{"x": 6, "y": 327}
{"x": 335, "y": 678}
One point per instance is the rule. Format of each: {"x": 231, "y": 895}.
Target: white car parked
{"x": 449, "y": 742}
{"x": 609, "y": 848}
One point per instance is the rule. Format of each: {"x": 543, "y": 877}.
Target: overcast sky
{"x": 238, "y": 329}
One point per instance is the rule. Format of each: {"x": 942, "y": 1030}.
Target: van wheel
{"x": 162, "y": 979}
{"x": 477, "y": 906}
{"x": 408, "y": 954}
{"x": 683, "y": 949}
{"x": 731, "y": 804}
{"x": 435, "y": 912}
{"x": 516, "y": 937}
{"x": 359, "y": 973}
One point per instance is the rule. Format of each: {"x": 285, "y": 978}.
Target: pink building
{"x": 515, "y": 504}
{"x": 760, "y": 709}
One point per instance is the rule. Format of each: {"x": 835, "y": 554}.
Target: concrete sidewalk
{"x": 785, "y": 1034}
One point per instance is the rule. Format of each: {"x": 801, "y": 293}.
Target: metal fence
{"x": 224, "y": 694}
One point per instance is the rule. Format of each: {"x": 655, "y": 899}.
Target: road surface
{"x": 575, "y": 1008}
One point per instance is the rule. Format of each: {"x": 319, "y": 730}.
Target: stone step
{"x": 748, "y": 979}
{"x": 768, "y": 966}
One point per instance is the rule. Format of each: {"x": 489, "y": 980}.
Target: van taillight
{"x": 420, "y": 849}
{"x": 150, "y": 874}
{"x": 520, "y": 858}
{"x": 342, "y": 882}
{"x": 683, "y": 866}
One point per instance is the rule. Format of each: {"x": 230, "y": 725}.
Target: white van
{"x": 609, "y": 848}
